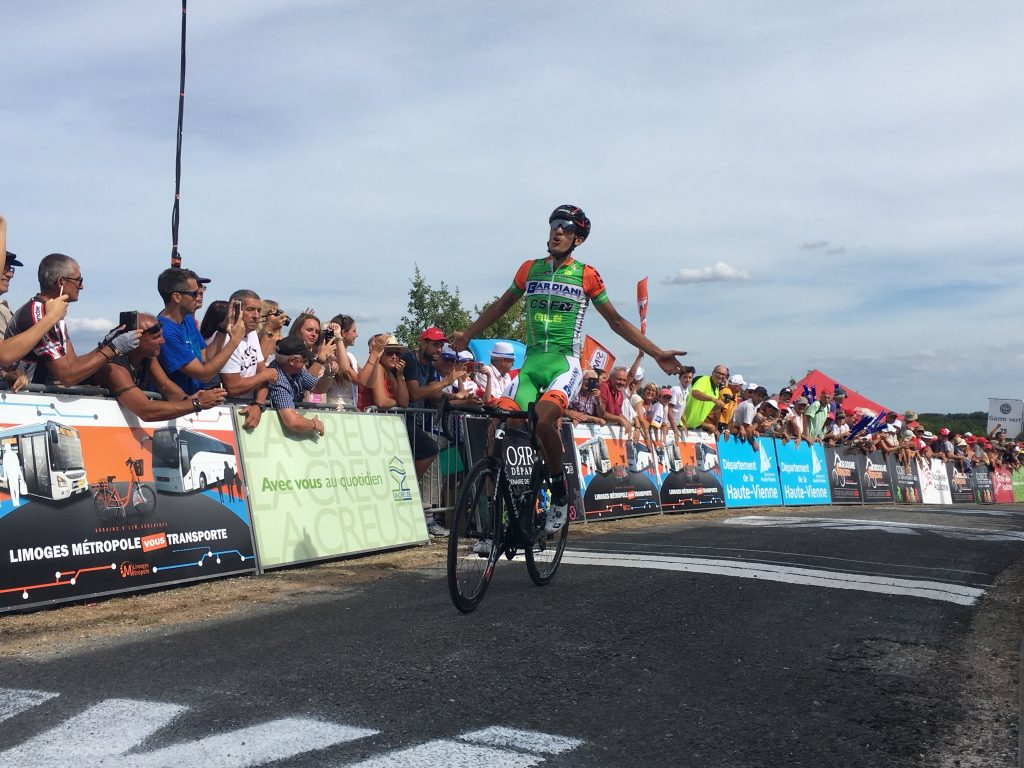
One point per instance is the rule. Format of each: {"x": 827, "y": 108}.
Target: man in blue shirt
{"x": 184, "y": 356}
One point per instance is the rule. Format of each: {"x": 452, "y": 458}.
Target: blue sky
{"x": 804, "y": 184}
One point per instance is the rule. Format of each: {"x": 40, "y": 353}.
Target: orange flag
{"x": 595, "y": 355}
{"x": 641, "y": 304}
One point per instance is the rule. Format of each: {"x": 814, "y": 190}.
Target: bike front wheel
{"x": 144, "y": 499}
{"x": 474, "y": 541}
{"x": 545, "y": 554}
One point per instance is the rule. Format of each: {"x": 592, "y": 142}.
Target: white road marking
{"x": 14, "y": 702}
{"x": 931, "y": 590}
{"x": 887, "y": 526}
{"x": 529, "y": 741}
{"x": 103, "y": 734}
{"x": 450, "y": 754}
{"x": 256, "y": 745}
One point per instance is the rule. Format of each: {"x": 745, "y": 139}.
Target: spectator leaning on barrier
{"x": 838, "y": 428}
{"x": 744, "y": 424}
{"x": 680, "y": 393}
{"x": 293, "y": 382}
{"x": 815, "y": 416}
{"x": 128, "y": 375}
{"x": 245, "y": 374}
{"x": 10, "y": 262}
{"x": 461, "y": 389}
{"x": 613, "y": 396}
{"x": 425, "y": 386}
{"x": 767, "y": 421}
{"x": 705, "y": 396}
{"x": 730, "y": 397}
{"x": 586, "y": 407}
{"x": 387, "y": 386}
{"x": 344, "y": 393}
{"x": 184, "y": 355}
{"x": 502, "y": 359}
{"x": 794, "y": 421}
{"x": 53, "y": 360}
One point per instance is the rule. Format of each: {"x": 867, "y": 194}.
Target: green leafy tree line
{"x": 442, "y": 306}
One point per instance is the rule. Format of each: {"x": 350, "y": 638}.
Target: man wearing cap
{"x": 838, "y": 398}
{"x": 10, "y": 262}
{"x": 426, "y": 385}
{"x": 500, "y": 379}
{"x": 794, "y": 421}
{"x": 293, "y": 382}
{"x": 837, "y": 428}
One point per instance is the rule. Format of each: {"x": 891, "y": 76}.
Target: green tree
{"x": 428, "y": 306}
{"x": 511, "y": 326}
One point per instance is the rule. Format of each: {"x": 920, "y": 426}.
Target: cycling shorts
{"x": 559, "y": 377}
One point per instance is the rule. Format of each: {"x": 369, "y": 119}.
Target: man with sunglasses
{"x": 184, "y": 354}
{"x": 53, "y": 359}
{"x": 557, "y": 290}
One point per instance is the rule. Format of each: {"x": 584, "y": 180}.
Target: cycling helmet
{"x": 575, "y": 215}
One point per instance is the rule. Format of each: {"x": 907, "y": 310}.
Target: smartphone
{"x": 236, "y": 310}
{"x": 130, "y": 320}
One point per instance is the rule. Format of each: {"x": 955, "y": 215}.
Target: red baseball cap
{"x": 943, "y": 431}
{"x": 433, "y": 333}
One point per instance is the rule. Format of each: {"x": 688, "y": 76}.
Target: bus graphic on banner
{"x": 184, "y": 460}
{"x": 44, "y": 460}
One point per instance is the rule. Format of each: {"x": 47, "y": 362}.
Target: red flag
{"x": 641, "y": 304}
{"x": 595, "y": 355}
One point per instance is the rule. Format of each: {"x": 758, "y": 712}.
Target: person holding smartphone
{"x": 500, "y": 379}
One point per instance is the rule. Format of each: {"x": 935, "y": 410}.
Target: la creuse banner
{"x": 353, "y": 490}
{"x": 94, "y": 502}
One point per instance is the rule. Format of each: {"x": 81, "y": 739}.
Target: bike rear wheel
{"x": 143, "y": 499}
{"x": 107, "y": 505}
{"x": 545, "y": 555}
{"x": 474, "y": 541}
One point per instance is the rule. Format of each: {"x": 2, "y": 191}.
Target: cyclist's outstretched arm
{"x": 487, "y": 318}
{"x": 666, "y": 357}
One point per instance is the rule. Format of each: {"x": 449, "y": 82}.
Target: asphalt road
{"x": 829, "y": 637}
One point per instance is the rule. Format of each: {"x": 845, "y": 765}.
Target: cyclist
{"x": 558, "y": 290}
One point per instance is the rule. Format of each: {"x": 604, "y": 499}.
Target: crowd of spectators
{"x": 247, "y": 347}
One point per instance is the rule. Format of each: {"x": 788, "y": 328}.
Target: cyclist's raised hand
{"x": 458, "y": 340}
{"x": 667, "y": 361}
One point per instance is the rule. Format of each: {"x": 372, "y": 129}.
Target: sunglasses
{"x": 563, "y": 224}
{"x": 194, "y": 294}
{"x": 392, "y": 351}
{"x": 79, "y": 281}
{"x": 154, "y": 330}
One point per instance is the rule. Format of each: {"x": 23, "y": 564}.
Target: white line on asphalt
{"x": 256, "y": 745}
{"x": 529, "y": 741}
{"x": 931, "y": 590}
{"x": 102, "y": 734}
{"x": 888, "y": 526}
{"x": 14, "y": 702}
{"x": 450, "y": 754}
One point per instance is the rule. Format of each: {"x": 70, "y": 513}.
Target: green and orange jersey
{"x": 555, "y": 303}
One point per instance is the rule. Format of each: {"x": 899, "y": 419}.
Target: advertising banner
{"x": 520, "y": 457}
{"x": 1005, "y": 413}
{"x": 961, "y": 486}
{"x": 906, "y": 485}
{"x": 1002, "y": 485}
{"x": 1018, "y": 484}
{"x": 845, "y": 474}
{"x": 750, "y": 478}
{"x": 352, "y": 490}
{"x": 802, "y": 473}
{"x": 94, "y": 502}
{"x": 691, "y": 479}
{"x": 876, "y": 480}
{"x": 934, "y": 480}
{"x": 984, "y": 492}
{"x": 614, "y": 476}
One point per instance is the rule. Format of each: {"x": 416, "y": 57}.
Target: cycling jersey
{"x": 556, "y": 301}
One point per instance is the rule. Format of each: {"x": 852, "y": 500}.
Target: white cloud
{"x": 90, "y": 324}
{"x": 716, "y": 273}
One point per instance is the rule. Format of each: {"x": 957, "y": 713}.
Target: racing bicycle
{"x": 109, "y": 503}
{"x": 492, "y": 518}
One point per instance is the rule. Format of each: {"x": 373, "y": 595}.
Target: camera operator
{"x": 130, "y": 374}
